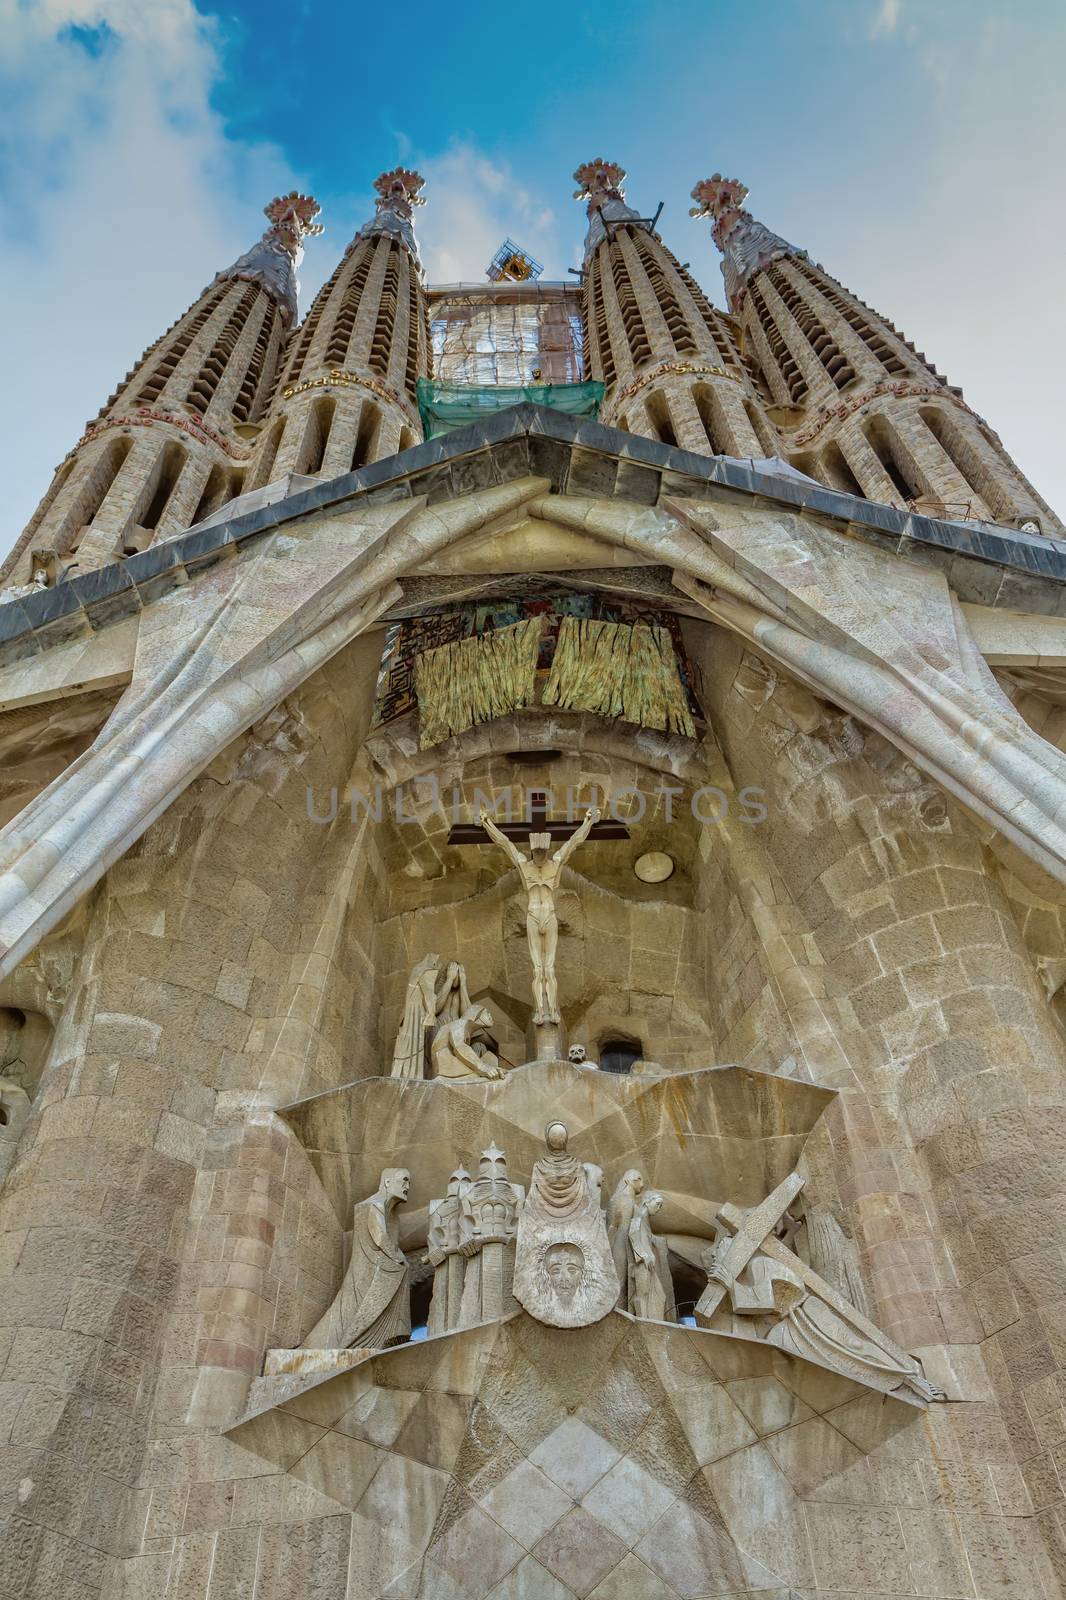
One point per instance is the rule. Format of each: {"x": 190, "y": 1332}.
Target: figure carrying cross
{"x": 540, "y": 872}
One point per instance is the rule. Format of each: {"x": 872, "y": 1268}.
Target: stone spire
{"x": 848, "y": 398}
{"x": 347, "y": 391}
{"x": 275, "y": 260}
{"x": 666, "y": 357}
{"x": 170, "y": 446}
{"x": 601, "y": 185}
{"x": 746, "y": 245}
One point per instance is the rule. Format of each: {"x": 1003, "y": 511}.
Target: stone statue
{"x": 457, "y": 1050}
{"x": 620, "y": 1209}
{"x": 540, "y": 872}
{"x": 372, "y": 1307}
{"x": 650, "y": 1289}
{"x": 785, "y": 1303}
{"x": 577, "y": 1055}
{"x": 433, "y": 997}
{"x": 490, "y": 1208}
{"x": 445, "y": 1255}
{"x": 564, "y": 1271}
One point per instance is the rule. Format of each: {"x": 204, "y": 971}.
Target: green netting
{"x": 443, "y": 406}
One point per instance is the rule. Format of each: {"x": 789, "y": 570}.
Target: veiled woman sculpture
{"x": 433, "y": 998}
{"x": 564, "y": 1272}
{"x": 650, "y": 1291}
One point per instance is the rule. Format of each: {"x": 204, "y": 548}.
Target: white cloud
{"x": 472, "y": 205}
{"x": 123, "y": 197}
{"x": 886, "y": 20}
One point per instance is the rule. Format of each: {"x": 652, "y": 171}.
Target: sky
{"x": 913, "y": 147}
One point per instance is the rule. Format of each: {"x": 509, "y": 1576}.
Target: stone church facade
{"x": 532, "y": 951}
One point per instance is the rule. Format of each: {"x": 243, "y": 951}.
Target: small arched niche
{"x": 618, "y": 1052}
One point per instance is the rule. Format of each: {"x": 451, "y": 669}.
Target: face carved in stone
{"x": 564, "y": 1265}
{"x": 396, "y": 1182}
{"x": 556, "y": 1137}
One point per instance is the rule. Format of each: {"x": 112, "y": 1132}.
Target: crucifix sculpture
{"x": 540, "y": 872}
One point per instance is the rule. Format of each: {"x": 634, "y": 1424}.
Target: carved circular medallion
{"x": 654, "y": 867}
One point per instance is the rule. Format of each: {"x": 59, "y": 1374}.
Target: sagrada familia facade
{"x": 533, "y": 948}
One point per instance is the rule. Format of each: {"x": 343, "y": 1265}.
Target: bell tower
{"x": 854, "y": 403}
{"x": 168, "y": 447}
{"x": 347, "y": 390}
{"x": 668, "y": 358}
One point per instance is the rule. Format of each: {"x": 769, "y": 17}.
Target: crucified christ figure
{"x": 540, "y": 872}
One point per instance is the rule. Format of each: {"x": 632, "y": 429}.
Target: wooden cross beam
{"x": 536, "y": 822}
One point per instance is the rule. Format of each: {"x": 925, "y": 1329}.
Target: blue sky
{"x": 912, "y": 146}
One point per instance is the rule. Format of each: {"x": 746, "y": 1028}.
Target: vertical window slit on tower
{"x": 885, "y": 446}
{"x": 715, "y": 325}
{"x": 760, "y": 429}
{"x": 202, "y": 389}
{"x": 166, "y": 480}
{"x": 381, "y": 343}
{"x": 310, "y": 326}
{"x": 415, "y": 334}
{"x": 212, "y": 495}
{"x": 839, "y": 474}
{"x": 96, "y": 489}
{"x": 318, "y": 432}
{"x": 660, "y": 418}
{"x": 341, "y": 334}
{"x": 709, "y": 408}
{"x": 963, "y": 457}
{"x": 791, "y": 377}
{"x": 596, "y": 324}
{"x": 673, "y": 315}
{"x": 366, "y": 437}
{"x": 268, "y": 456}
{"x": 813, "y": 329}
{"x": 157, "y": 380}
{"x": 245, "y": 404}
{"x": 890, "y": 359}
{"x": 635, "y": 331}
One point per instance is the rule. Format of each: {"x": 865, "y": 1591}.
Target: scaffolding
{"x": 506, "y": 333}
{"x": 514, "y": 264}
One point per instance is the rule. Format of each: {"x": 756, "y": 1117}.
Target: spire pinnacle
{"x": 746, "y": 245}
{"x": 273, "y": 261}
{"x": 398, "y": 194}
{"x": 601, "y": 185}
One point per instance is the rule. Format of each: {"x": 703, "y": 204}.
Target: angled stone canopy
{"x": 726, "y": 1129}
{"x": 221, "y": 642}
